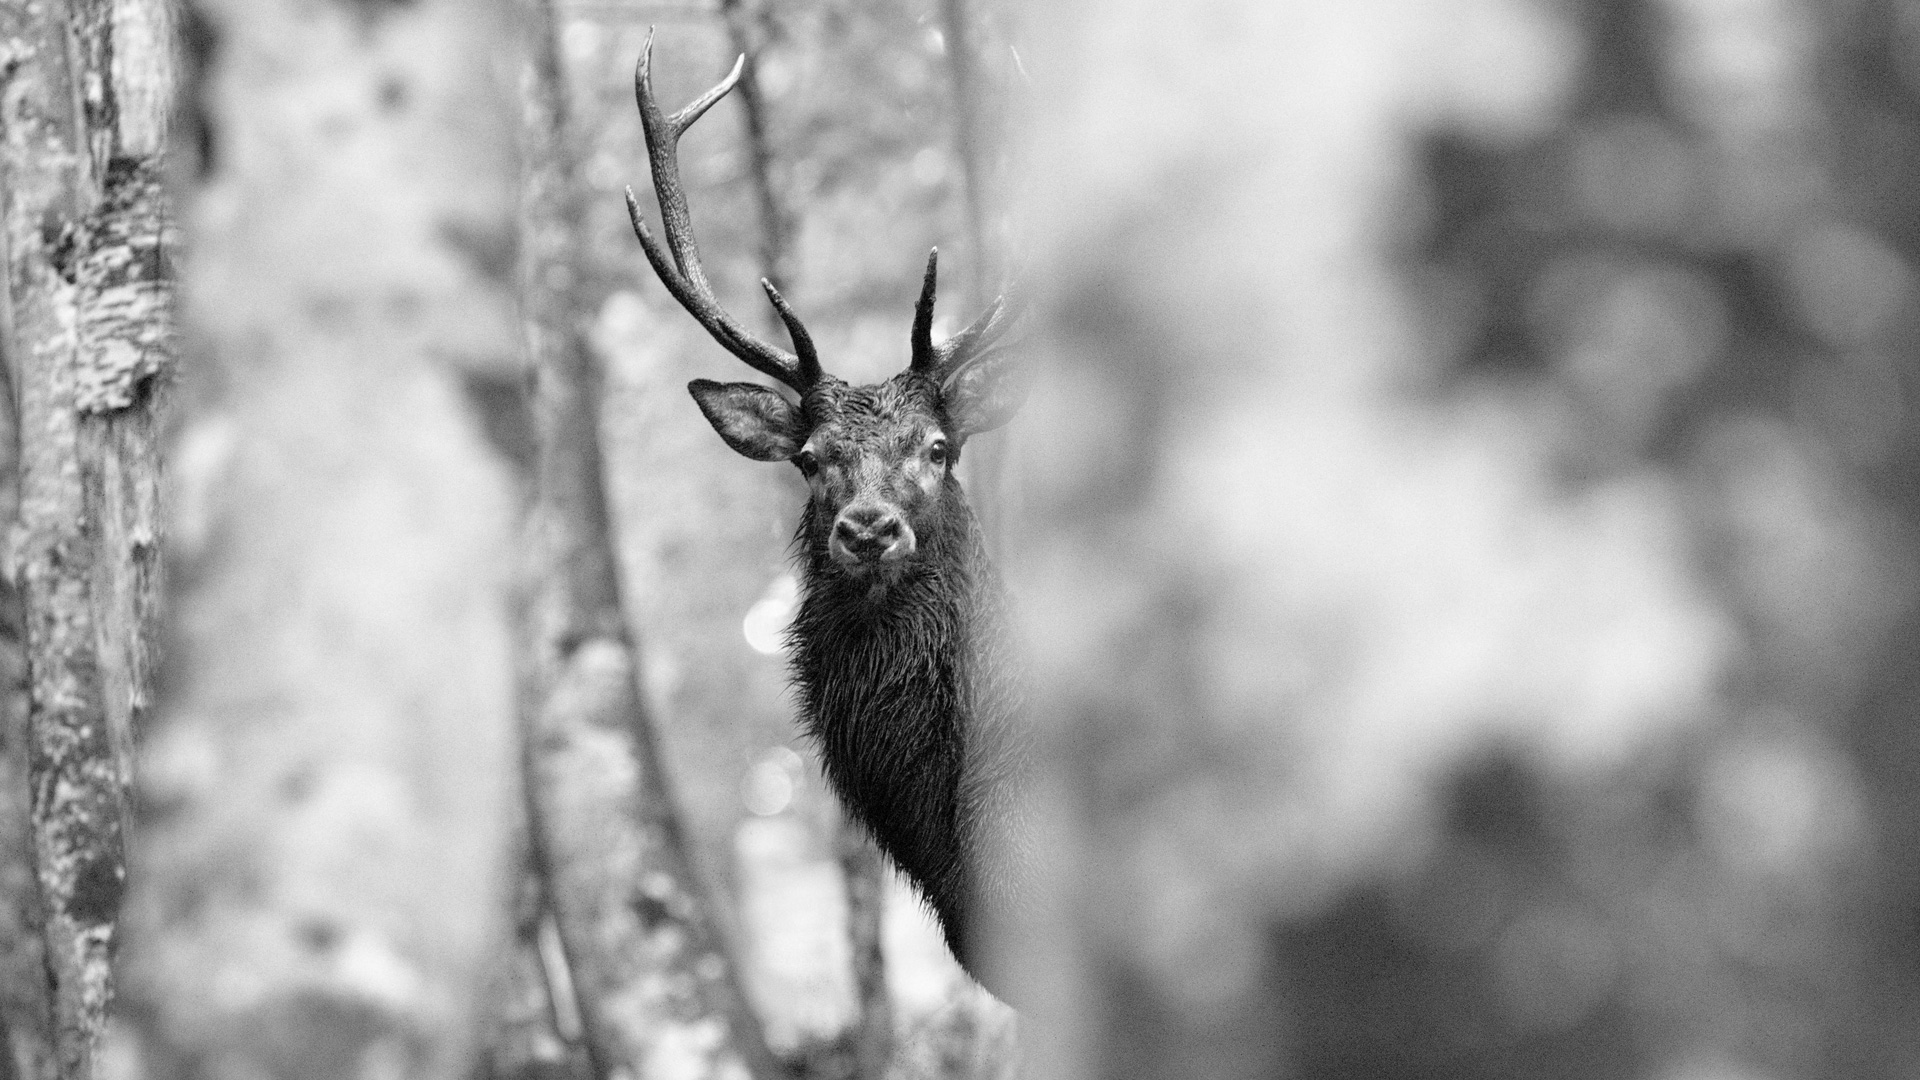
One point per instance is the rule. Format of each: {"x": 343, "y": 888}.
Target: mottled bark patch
{"x": 126, "y": 332}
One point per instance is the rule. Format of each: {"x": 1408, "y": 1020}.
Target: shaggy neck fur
{"x": 904, "y": 681}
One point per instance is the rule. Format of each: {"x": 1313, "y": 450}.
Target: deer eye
{"x": 937, "y": 453}
{"x": 807, "y": 463}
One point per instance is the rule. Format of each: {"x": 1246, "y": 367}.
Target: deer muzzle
{"x": 866, "y": 533}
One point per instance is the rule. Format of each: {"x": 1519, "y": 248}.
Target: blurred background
{"x": 1464, "y": 534}
{"x": 1514, "y": 402}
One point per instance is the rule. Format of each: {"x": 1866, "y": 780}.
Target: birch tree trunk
{"x": 39, "y": 182}
{"x": 659, "y": 994}
{"x": 75, "y": 790}
{"x": 89, "y": 281}
{"x": 322, "y": 879}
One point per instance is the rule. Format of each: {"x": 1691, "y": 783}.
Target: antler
{"x": 684, "y": 277}
{"x": 942, "y": 362}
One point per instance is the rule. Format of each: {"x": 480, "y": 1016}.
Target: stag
{"x": 898, "y": 654}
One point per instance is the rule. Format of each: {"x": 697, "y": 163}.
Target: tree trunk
{"x": 27, "y": 1046}
{"x": 75, "y": 793}
{"x": 91, "y": 333}
{"x": 658, "y": 992}
{"x": 39, "y": 181}
{"x": 322, "y": 880}
{"x": 867, "y": 874}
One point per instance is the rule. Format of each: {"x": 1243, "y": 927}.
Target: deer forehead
{"x": 884, "y": 419}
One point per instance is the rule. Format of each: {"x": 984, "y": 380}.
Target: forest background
{"x": 1464, "y": 535}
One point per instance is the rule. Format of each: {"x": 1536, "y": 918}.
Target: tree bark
{"x": 27, "y": 1046}
{"x": 91, "y": 330}
{"x": 126, "y": 350}
{"x": 533, "y": 1029}
{"x": 659, "y": 994}
{"x": 322, "y": 880}
{"x": 38, "y": 192}
{"x": 867, "y": 874}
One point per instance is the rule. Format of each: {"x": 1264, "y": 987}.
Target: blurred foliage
{"x": 1473, "y": 582}
{"x": 1701, "y": 271}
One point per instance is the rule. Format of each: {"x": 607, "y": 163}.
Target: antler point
{"x": 677, "y": 262}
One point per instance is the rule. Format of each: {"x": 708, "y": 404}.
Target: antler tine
{"x": 977, "y": 339}
{"x": 926, "y": 359}
{"x": 809, "y": 361}
{"x": 683, "y": 275}
{"x": 942, "y": 362}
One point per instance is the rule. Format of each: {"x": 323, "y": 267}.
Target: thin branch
{"x": 986, "y": 465}
{"x": 866, "y": 872}
{"x": 969, "y": 140}
{"x": 749, "y": 32}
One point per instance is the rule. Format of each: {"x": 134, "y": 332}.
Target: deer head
{"x": 878, "y": 458}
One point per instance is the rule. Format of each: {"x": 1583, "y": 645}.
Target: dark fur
{"x": 899, "y": 649}
{"x": 904, "y": 675}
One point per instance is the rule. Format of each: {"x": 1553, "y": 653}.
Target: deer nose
{"x": 870, "y": 533}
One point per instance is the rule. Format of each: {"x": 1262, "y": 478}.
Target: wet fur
{"x": 905, "y": 678}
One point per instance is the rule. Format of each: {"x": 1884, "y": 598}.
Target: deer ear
{"x": 986, "y": 392}
{"x": 753, "y": 419}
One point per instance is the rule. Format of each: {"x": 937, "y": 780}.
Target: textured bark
{"x": 532, "y": 1031}
{"x": 126, "y": 353}
{"x": 146, "y": 63}
{"x": 26, "y": 1049}
{"x": 322, "y": 877}
{"x": 39, "y": 168}
{"x": 88, "y": 298}
{"x": 659, "y": 995}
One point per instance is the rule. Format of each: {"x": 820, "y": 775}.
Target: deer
{"x": 899, "y": 655}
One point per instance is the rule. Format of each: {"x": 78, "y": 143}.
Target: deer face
{"x": 878, "y": 462}
{"x": 878, "y": 459}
